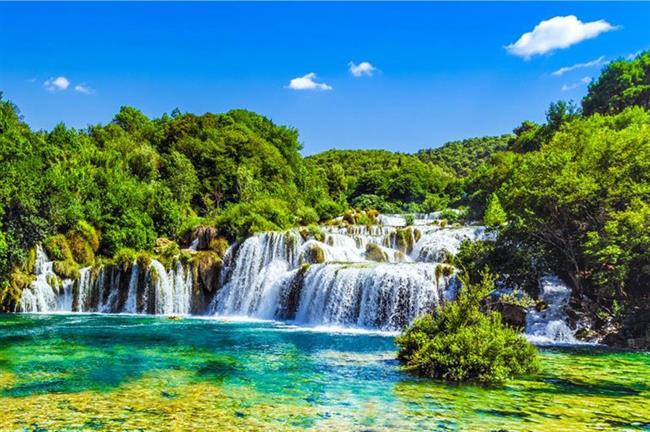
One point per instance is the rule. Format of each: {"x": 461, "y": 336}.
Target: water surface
{"x": 117, "y": 372}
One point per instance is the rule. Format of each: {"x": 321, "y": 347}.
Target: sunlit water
{"x": 102, "y": 372}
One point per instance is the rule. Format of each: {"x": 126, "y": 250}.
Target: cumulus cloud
{"x": 83, "y": 88}
{"x": 308, "y": 82}
{"x": 557, "y": 33}
{"x": 584, "y": 81}
{"x": 361, "y": 69}
{"x": 56, "y": 84}
{"x": 599, "y": 61}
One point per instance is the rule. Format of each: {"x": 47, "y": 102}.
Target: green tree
{"x": 621, "y": 84}
{"x": 494, "y": 215}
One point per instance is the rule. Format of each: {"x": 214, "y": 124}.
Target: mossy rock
{"x": 30, "y": 261}
{"x": 444, "y": 270}
{"x": 206, "y": 267}
{"x": 144, "y": 259}
{"x": 314, "y": 254}
{"x": 88, "y": 233}
{"x": 404, "y": 239}
{"x": 82, "y": 251}
{"x": 166, "y": 247}
{"x": 372, "y": 214}
{"x": 219, "y": 246}
{"x": 124, "y": 258}
{"x": 10, "y": 294}
{"x": 66, "y": 269}
{"x": 57, "y": 248}
{"x": 376, "y": 253}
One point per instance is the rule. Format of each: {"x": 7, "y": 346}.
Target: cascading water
{"x": 43, "y": 294}
{"x": 169, "y": 292}
{"x": 370, "y": 277}
{"x": 549, "y": 325}
{"x": 375, "y": 277}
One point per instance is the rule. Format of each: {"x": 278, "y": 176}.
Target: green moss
{"x": 316, "y": 233}
{"x": 82, "y": 251}
{"x": 88, "y": 233}
{"x": 57, "y": 248}
{"x": 376, "y": 253}
{"x": 185, "y": 257}
{"x": 124, "y": 258}
{"x": 144, "y": 259}
{"x": 219, "y": 246}
{"x": 66, "y": 269}
{"x": 12, "y": 290}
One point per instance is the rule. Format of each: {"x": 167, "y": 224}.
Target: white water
{"x": 306, "y": 281}
{"x": 171, "y": 291}
{"x": 549, "y": 325}
{"x": 340, "y": 285}
{"x": 41, "y": 296}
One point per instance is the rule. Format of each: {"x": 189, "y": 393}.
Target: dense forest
{"x": 570, "y": 196}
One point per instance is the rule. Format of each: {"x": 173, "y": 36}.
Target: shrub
{"x": 81, "y": 250}
{"x": 315, "y": 232}
{"x": 219, "y": 246}
{"x": 307, "y": 215}
{"x": 66, "y": 269}
{"x": 494, "y": 214}
{"x": 57, "y": 248}
{"x": 124, "y": 258}
{"x": 461, "y": 343}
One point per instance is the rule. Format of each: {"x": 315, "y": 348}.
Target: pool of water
{"x": 117, "y": 372}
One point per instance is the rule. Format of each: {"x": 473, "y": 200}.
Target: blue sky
{"x": 442, "y": 71}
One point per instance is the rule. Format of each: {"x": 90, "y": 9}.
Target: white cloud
{"x": 599, "y": 61}
{"x": 584, "y": 81}
{"x": 307, "y": 82}
{"x": 557, "y": 33}
{"x": 83, "y": 88}
{"x": 59, "y": 83}
{"x": 361, "y": 69}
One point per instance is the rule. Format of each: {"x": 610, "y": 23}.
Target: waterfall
{"x": 131, "y": 296}
{"x": 173, "y": 289}
{"x": 43, "y": 294}
{"x": 84, "y": 290}
{"x": 383, "y": 296}
{"x": 356, "y": 276}
{"x": 549, "y": 325}
{"x": 375, "y": 277}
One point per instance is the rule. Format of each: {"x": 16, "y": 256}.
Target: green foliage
{"x": 66, "y": 269}
{"x": 57, "y": 247}
{"x": 378, "y": 179}
{"x": 125, "y": 257}
{"x": 621, "y": 84}
{"x": 463, "y": 157}
{"x": 494, "y": 214}
{"x": 461, "y": 343}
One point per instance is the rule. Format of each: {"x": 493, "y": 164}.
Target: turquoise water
{"x": 116, "y": 372}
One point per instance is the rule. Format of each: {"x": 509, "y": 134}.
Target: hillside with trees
{"x": 570, "y": 196}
